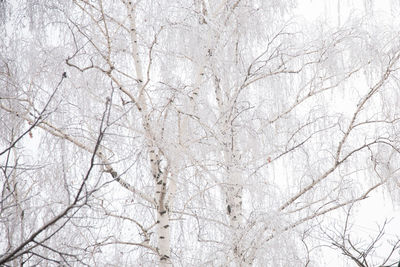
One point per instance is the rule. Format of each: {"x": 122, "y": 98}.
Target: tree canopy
{"x": 194, "y": 132}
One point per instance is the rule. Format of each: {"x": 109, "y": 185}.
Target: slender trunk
{"x": 233, "y": 183}
{"x": 234, "y": 196}
{"x": 163, "y": 233}
{"x": 234, "y": 200}
{"x": 155, "y": 156}
{"x": 163, "y": 215}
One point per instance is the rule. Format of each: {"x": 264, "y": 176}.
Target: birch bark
{"x": 155, "y": 155}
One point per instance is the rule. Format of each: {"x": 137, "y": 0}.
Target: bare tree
{"x": 362, "y": 252}
{"x": 32, "y": 238}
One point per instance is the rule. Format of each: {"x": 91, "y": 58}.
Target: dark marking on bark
{"x": 166, "y": 226}
{"x": 229, "y": 209}
{"x": 164, "y": 257}
{"x": 163, "y": 212}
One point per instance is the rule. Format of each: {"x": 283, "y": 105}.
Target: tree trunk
{"x": 160, "y": 177}
{"x": 233, "y": 191}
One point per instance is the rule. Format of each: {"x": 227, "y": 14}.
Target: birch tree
{"x": 231, "y": 129}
